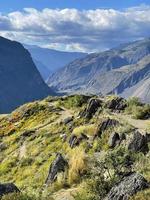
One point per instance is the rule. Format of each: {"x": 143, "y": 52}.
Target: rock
{"x": 117, "y": 103}
{"x": 72, "y": 141}
{"x": 138, "y": 143}
{"x": 148, "y": 137}
{"x": 3, "y": 146}
{"x": 81, "y": 138}
{"x": 28, "y": 133}
{"x": 67, "y": 120}
{"x": 122, "y": 137}
{"x": 106, "y": 123}
{"x": 113, "y": 140}
{"x": 127, "y": 187}
{"x": 91, "y": 108}
{"x": 57, "y": 166}
{"x": 8, "y": 188}
{"x": 75, "y": 141}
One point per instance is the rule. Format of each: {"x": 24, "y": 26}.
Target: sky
{"x": 75, "y": 25}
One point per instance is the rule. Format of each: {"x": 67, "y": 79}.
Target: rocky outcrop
{"x": 57, "y": 166}
{"x": 75, "y": 141}
{"x": 8, "y": 188}
{"x": 127, "y": 187}
{"x": 91, "y": 108}
{"x": 72, "y": 140}
{"x": 138, "y": 143}
{"x": 116, "y": 104}
{"x": 104, "y": 125}
{"x": 114, "y": 139}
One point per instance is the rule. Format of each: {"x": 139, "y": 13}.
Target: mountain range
{"x": 20, "y": 81}
{"x": 49, "y": 61}
{"x": 124, "y": 71}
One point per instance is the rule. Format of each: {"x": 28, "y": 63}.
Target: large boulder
{"x": 127, "y": 187}
{"x": 91, "y": 108}
{"x": 116, "y": 104}
{"x": 114, "y": 139}
{"x": 8, "y": 188}
{"x": 57, "y": 166}
{"x": 104, "y": 125}
{"x": 138, "y": 143}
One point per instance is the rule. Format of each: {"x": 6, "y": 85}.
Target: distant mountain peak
{"x": 117, "y": 69}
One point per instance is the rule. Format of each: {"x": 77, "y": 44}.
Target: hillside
{"x": 52, "y": 149}
{"x": 115, "y": 71}
{"x": 51, "y": 60}
{"x": 20, "y": 81}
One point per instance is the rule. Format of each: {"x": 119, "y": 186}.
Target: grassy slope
{"x": 25, "y": 158}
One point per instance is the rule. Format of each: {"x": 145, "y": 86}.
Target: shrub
{"x": 26, "y": 161}
{"x": 73, "y": 101}
{"x": 134, "y": 101}
{"x": 137, "y": 109}
{"x": 142, "y": 112}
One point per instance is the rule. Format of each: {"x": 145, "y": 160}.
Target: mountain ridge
{"x": 93, "y": 73}
{"x": 20, "y": 80}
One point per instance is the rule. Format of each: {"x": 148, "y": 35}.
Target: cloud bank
{"x": 74, "y": 30}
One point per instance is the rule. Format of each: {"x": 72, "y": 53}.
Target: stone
{"x": 57, "y": 166}
{"x": 91, "y": 108}
{"x": 75, "y": 141}
{"x": 72, "y": 140}
{"x": 117, "y": 103}
{"x": 127, "y": 187}
{"x": 8, "y": 188}
{"x": 138, "y": 143}
{"x": 106, "y": 123}
{"x": 67, "y": 120}
{"x": 3, "y": 146}
{"x": 113, "y": 140}
{"x": 147, "y": 137}
{"x": 28, "y": 133}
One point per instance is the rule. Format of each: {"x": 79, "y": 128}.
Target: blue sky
{"x": 75, "y": 25}
{"x": 11, "y": 5}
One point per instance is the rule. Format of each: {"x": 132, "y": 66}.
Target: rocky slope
{"x": 115, "y": 71}
{"x": 20, "y": 81}
{"x": 51, "y": 60}
{"x": 76, "y": 148}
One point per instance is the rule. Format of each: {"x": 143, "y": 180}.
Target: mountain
{"x": 20, "y": 81}
{"x": 51, "y": 60}
{"x": 115, "y": 71}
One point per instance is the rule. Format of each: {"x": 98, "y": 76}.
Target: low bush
{"x": 73, "y": 101}
{"x": 137, "y": 109}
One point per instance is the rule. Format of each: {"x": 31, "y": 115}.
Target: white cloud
{"x": 71, "y": 29}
